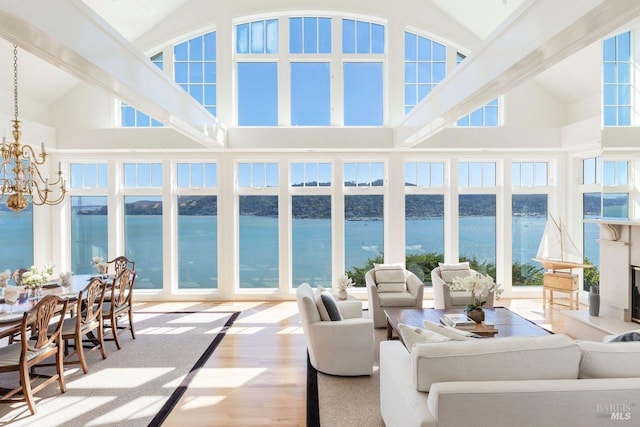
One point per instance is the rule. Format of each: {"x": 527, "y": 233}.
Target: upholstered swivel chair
{"x": 444, "y": 297}
{"x": 340, "y": 347}
{"x": 407, "y": 294}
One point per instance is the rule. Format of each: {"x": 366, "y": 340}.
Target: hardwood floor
{"x": 257, "y": 375}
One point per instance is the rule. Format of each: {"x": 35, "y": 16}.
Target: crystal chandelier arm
{"x": 27, "y": 152}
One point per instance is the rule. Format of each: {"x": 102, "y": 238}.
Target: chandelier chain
{"x": 15, "y": 81}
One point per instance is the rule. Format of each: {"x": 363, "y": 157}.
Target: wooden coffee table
{"x": 508, "y": 323}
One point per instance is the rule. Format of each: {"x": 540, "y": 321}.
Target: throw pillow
{"x": 452, "y": 333}
{"x": 391, "y": 280}
{"x": 412, "y": 335}
{"x": 626, "y": 336}
{"x": 324, "y": 315}
{"x": 450, "y": 271}
{"x": 330, "y": 305}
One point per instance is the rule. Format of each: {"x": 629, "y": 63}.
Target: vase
{"x": 342, "y": 294}
{"x": 594, "y": 304}
{"x": 36, "y": 293}
{"x": 476, "y": 314}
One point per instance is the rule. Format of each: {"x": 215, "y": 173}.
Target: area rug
{"x": 135, "y": 386}
{"x": 345, "y": 401}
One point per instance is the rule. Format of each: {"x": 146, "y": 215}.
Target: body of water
{"x": 259, "y": 265}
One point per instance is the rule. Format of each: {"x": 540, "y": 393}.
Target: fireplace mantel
{"x": 612, "y": 227}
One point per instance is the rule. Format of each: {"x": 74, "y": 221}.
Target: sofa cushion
{"x": 449, "y": 332}
{"x": 390, "y": 278}
{"x": 412, "y": 335}
{"x": 450, "y": 271}
{"x": 609, "y": 360}
{"x": 396, "y": 299}
{"x": 496, "y": 359}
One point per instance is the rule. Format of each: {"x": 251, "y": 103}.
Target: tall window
{"x": 363, "y": 214}
{"x": 616, "y": 78}
{"x": 258, "y": 225}
{"x": 363, "y": 80}
{"x": 129, "y": 116}
{"x": 257, "y": 78}
{"x": 310, "y": 80}
{"x": 89, "y": 220}
{"x": 311, "y": 245}
{"x": 195, "y": 69}
{"x": 528, "y": 219}
{"x": 477, "y": 215}
{"x": 143, "y": 222}
{"x": 486, "y": 115}
{"x": 197, "y": 226}
{"x": 424, "y": 67}
{"x": 424, "y": 217}
{"x": 591, "y": 190}
{"x": 615, "y": 195}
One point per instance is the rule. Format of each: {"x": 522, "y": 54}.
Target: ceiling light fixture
{"x": 19, "y": 174}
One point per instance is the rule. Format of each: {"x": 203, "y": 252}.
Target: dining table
{"x": 11, "y": 316}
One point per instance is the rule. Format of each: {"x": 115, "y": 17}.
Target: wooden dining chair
{"x": 119, "y": 263}
{"x": 86, "y": 320}
{"x": 37, "y": 343}
{"x": 119, "y": 305}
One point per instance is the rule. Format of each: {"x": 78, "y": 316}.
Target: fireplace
{"x": 635, "y": 294}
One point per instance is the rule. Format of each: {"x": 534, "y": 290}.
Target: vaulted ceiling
{"x": 45, "y": 83}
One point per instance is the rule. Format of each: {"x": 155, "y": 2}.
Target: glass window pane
{"x": 258, "y": 175}
{"x": 410, "y": 174}
{"x": 516, "y": 171}
{"x": 410, "y": 46}
{"x": 258, "y": 241}
{"x": 622, "y": 173}
{"x": 363, "y": 99}
{"x": 437, "y": 174}
{"x": 615, "y": 205}
{"x": 528, "y": 220}
{"x": 311, "y": 174}
{"x": 210, "y": 49}
{"x": 183, "y": 174}
{"x": 297, "y": 175}
{"x": 272, "y": 36}
{"x": 156, "y": 175}
{"x": 77, "y": 175}
{"x": 350, "y": 174}
{"x": 541, "y": 174}
{"x": 310, "y": 35}
{"x": 527, "y": 174}
{"x": 17, "y": 228}
{"x": 89, "y": 232}
{"x": 295, "y": 35}
{"x": 257, "y": 94}
{"x": 143, "y": 239}
{"x": 477, "y": 223}
{"x": 609, "y": 173}
{"x": 424, "y": 174}
{"x": 181, "y": 51}
{"x": 424, "y": 49}
{"x": 272, "y": 179}
{"x": 130, "y": 175}
{"x": 211, "y": 174}
{"x": 475, "y": 174}
{"x": 311, "y": 240}
{"x": 197, "y": 242}
{"x": 377, "y": 38}
{"x": 348, "y": 36}
{"x": 324, "y": 174}
{"x": 90, "y": 175}
{"x": 377, "y": 174}
{"x": 363, "y": 37}
{"x": 325, "y": 35}
{"x": 488, "y": 174}
{"x": 363, "y": 174}
{"x": 244, "y": 175}
{"x": 463, "y": 174}
{"x": 589, "y": 171}
{"x": 591, "y": 203}
{"x": 310, "y": 94}
{"x": 363, "y": 231}
{"x": 424, "y": 234}
{"x": 242, "y": 38}
{"x": 257, "y": 37}
{"x": 102, "y": 175}
{"x": 195, "y": 49}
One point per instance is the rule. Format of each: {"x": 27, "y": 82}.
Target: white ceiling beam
{"x": 71, "y": 36}
{"x": 536, "y": 36}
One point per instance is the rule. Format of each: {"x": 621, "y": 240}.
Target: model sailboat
{"x": 557, "y": 251}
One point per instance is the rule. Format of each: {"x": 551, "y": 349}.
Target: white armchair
{"x": 444, "y": 298}
{"x": 411, "y": 297}
{"x": 341, "y": 347}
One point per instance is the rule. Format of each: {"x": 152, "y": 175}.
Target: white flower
{"x": 343, "y": 283}
{"x": 479, "y": 286}
{"x": 35, "y": 277}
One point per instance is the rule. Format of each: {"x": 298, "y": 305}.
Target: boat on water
{"x": 557, "y": 251}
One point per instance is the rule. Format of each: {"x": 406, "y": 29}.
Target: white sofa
{"x": 526, "y": 381}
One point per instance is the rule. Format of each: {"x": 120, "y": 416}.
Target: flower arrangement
{"x": 98, "y": 263}
{"x": 343, "y": 283}
{"x": 36, "y": 277}
{"x": 4, "y": 276}
{"x": 479, "y": 285}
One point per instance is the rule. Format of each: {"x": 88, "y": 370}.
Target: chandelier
{"x": 19, "y": 174}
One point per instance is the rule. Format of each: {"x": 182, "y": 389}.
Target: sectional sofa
{"x": 520, "y": 381}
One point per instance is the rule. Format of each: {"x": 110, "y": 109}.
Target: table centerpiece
{"x": 479, "y": 285}
{"x": 34, "y": 278}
